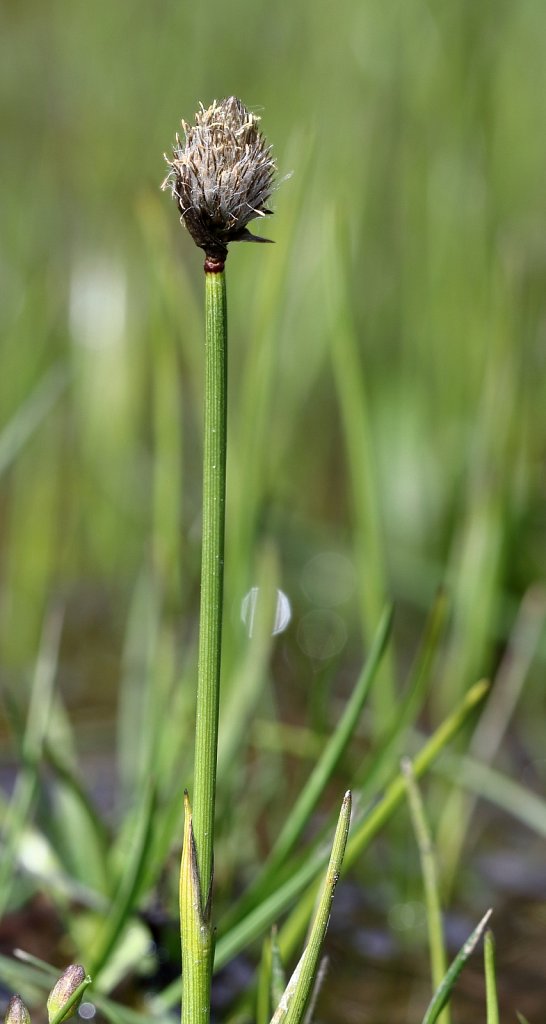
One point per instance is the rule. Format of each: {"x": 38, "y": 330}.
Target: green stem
{"x": 197, "y": 970}
{"x": 490, "y": 979}
{"x": 212, "y": 575}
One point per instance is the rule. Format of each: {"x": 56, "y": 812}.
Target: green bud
{"x": 63, "y": 990}
{"x": 17, "y": 1012}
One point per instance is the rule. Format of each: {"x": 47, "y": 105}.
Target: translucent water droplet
{"x": 87, "y": 1011}
{"x": 281, "y": 610}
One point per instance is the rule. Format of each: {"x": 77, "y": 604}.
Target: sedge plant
{"x": 222, "y": 177}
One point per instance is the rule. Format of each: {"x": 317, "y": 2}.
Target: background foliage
{"x": 387, "y": 398}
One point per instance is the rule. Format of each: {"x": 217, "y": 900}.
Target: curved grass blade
{"x": 393, "y": 796}
{"x": 79, "y": 818}
{"x": 369, "y": 546}
{"x": 299, "y": 991}
{"x": 32, "y": 744}
{"x": 263, "y": 915}
{"x": 371, "y": 776}
{"x": 30, "y": 414}
{"x": 129, "y": 888}
{"x": 490, "y": 784}
{"x": 443, "y": 992}
{"x": 334, "y": 749}
{"x": 320, "y": 776}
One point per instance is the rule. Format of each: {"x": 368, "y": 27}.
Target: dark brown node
{"x": 214, "y": 265}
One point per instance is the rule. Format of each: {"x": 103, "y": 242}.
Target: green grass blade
{"x": 393, "y": 796}
{"x": 320, "y": 776}
{"x": 494, "y": 720}
{"x": 129, "y": 888}
{"x": 263, "y": 916}
{"x": 298, "y": 993}
{"x": 499, "y": 789}
{"x": 371, "y": 776}
{"x": 438, "y": 958}
{"x": 443, "y": 993}
{"x": 30, "y": 415}
{"x": 267, "y": 912}
{"x": 117, "y": 1013}
{"x": 263, "y": 994}
{"x": 82, "y": 829}
{"x": 238, "y": 706}
{"x": 325, "y": 767}
{"x": 26, "y": 785}
{"x": 360, "y": 451}
{"x": 491, "y": 997}
{"x": 136, "y": 709}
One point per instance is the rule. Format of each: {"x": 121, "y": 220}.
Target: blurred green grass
{"x": 387, "y": 369}
{"x": 415, "y": 127}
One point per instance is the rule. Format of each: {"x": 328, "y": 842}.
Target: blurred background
{"x": 387, "y": 438}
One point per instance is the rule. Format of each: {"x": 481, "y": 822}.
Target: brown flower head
{"x": 222, "y": 176}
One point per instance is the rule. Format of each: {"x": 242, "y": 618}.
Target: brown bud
{"x": 222, "y": 176}
{"x": 63, "y": 990}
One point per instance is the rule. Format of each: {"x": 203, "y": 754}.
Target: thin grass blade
{"x": 438, "y": 957}
{"x": 30, "y": 415}
{"x": 443, "y": 992}
{"x": 393, "y": 796}
{"x": 32, "y": 742}
{"x": 320, "y": 776}
{"x": 129, "y": 888}
{"x": 298, "y": 994}
{"x": 262, "y": 916}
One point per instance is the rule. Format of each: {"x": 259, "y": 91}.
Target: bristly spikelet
{"x": 221, "y": 177}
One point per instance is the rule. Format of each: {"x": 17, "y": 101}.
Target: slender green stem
{"x": 197, "y": 857}
{"x": 212, "y": 576}
{"x": 490, "y": 979}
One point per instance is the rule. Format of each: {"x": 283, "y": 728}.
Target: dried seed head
{"x": 221, "y": 177}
